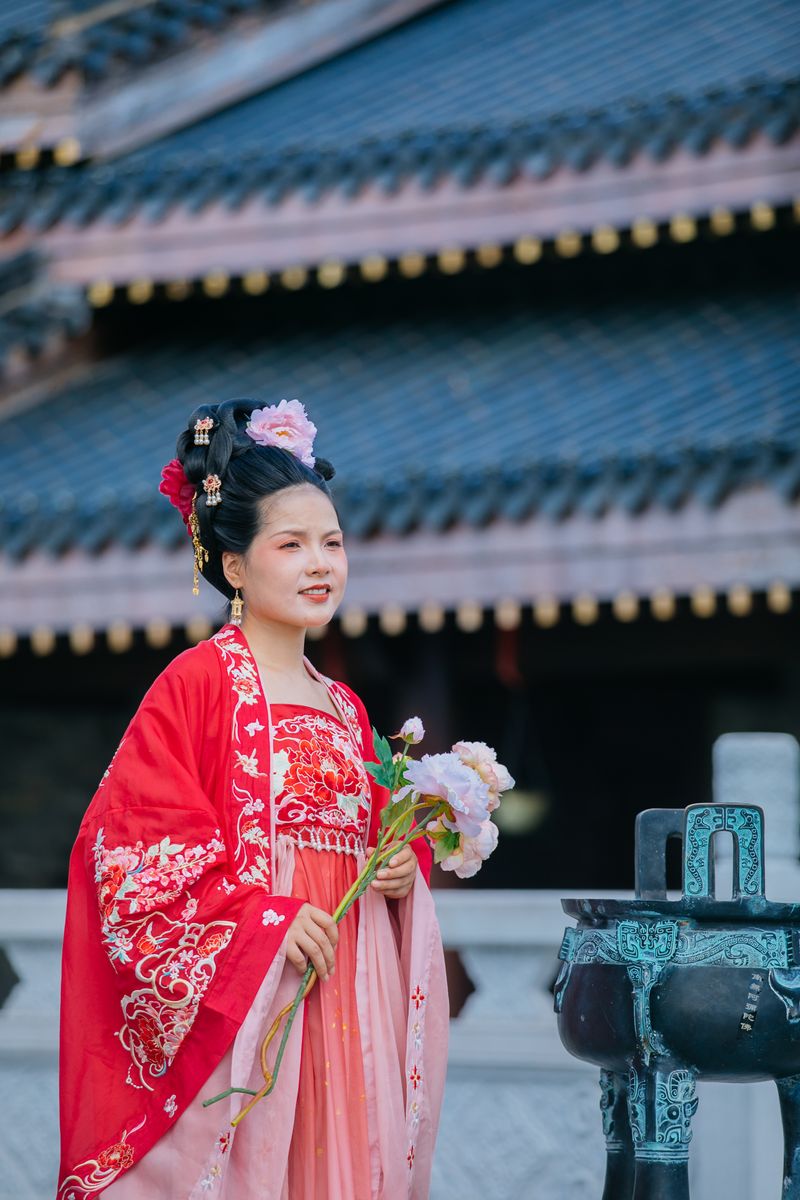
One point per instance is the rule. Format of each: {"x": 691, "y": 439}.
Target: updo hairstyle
{"x": 248, "y": 472}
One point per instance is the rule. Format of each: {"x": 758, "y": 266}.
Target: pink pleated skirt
{"x": 329, "y": 1150}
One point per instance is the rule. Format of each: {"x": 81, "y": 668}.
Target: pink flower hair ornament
{"x": 177, "y": 488}
{"x": 285, "y": 425}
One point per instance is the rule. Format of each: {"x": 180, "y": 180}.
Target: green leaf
{"x": 399, "y": 809}
{"x": 445, "y": 845}
{"x": 379, "y": 772}
{"x": 383, "y": 751}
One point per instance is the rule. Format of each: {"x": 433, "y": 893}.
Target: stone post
{"x": 763, "y": 769}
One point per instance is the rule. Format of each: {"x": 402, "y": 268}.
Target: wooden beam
{"x": 296, "y": 233}
{"x": 751, "y": 540}
{"x": 122, "y": 114}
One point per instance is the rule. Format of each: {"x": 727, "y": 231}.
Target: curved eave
{"x": 716, "y": 558}
{"x": 298, "y": 239}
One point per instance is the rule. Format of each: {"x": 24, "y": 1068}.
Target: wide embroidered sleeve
{"x": 171, "y": 908}
{"x": 165, "y": 947}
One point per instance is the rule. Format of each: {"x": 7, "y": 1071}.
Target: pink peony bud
{"x": 412, "y": 731}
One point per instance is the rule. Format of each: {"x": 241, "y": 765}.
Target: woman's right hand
{"x": 312, "y": 936}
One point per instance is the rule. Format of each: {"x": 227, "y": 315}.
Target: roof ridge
{"x": 322, "y": 154}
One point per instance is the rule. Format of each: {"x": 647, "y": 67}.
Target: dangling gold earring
{"x": 237, "y": 608}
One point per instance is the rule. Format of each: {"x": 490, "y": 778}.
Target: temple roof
{"x": 36, "y": 318}
{"x": 465, "y": 413}
{"x": 466, "y": 65}
{"x": 452, "y": 94}
{"x": 48, "y": 40}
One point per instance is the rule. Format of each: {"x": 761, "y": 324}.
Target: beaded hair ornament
{"x": 285, "y": 425}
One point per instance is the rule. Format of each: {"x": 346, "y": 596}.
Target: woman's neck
{"x": 278, "y": 651}
{"x": 277, "y": 648}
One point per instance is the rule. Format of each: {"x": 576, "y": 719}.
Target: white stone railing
{"x": 31, "y": 924}
{"x": 521, "y": 1117}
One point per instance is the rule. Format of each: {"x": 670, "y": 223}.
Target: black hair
{"x": 248, "y": 472}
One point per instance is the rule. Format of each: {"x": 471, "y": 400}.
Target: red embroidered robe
{"x": 171, "y": 922}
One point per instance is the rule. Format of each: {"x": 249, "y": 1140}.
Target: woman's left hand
{"x": 395, "y": 878}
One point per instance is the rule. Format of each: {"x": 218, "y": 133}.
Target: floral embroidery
{"x": 245, "y": 686}
{"x": 95, "y": 1174}
{"x": 119, "y": 1157}
{"x": 297, "y": 774}
{"x": 270, "y": 917}
{"x": 213, "y": 1173}
{"x": 248, "y": 763}
{"x": 326, "y": 770}
{"x": 320, "y": 788}
{"x": 144, "y": 879}
{"x": 415, "y": 1097}
{"x": 175, "y": 958}
{"x": 410, "y": 1157}
{"x": 171, "y": 1106}
{"x": 251, "y": 852}
{"x": 346, "y": 706}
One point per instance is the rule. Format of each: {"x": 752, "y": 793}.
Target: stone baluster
{"x": 763, "y": 769}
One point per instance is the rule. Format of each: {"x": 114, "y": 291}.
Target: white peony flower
{"x": 473, "y": 852}
{"x": 483, "y": 759}
{"x": 446, "y": 777}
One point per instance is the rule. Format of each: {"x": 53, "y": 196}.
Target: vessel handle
{"x": 654, "y": 828}
{"x": 746, "y": 823}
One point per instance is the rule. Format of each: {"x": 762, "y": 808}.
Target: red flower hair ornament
{"x": 177, "y": 488}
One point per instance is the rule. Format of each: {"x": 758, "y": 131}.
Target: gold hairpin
{"x": 200, "y": 552}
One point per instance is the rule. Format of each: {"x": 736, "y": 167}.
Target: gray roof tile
{"x": 502, "y": 410}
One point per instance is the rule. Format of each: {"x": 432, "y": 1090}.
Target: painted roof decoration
{"x": 559, "y": 409}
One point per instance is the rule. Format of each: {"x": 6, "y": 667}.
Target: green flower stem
{"x": 230, "y": 1092}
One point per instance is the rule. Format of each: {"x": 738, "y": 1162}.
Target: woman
{"x": 233, "y": 817}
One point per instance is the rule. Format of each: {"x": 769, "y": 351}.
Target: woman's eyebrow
{"x": 301, "y": 533}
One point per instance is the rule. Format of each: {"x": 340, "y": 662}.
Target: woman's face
{"x": 295, "y": 570}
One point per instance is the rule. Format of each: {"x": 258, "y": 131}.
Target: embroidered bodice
{"x": 320, "y": 788}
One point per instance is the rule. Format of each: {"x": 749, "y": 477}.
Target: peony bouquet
{"x": 447, "y": 798}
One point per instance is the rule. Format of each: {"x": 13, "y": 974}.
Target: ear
{"x": 232, "y": 568}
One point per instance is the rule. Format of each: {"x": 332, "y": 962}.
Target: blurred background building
{"x": 533, "y": 269}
